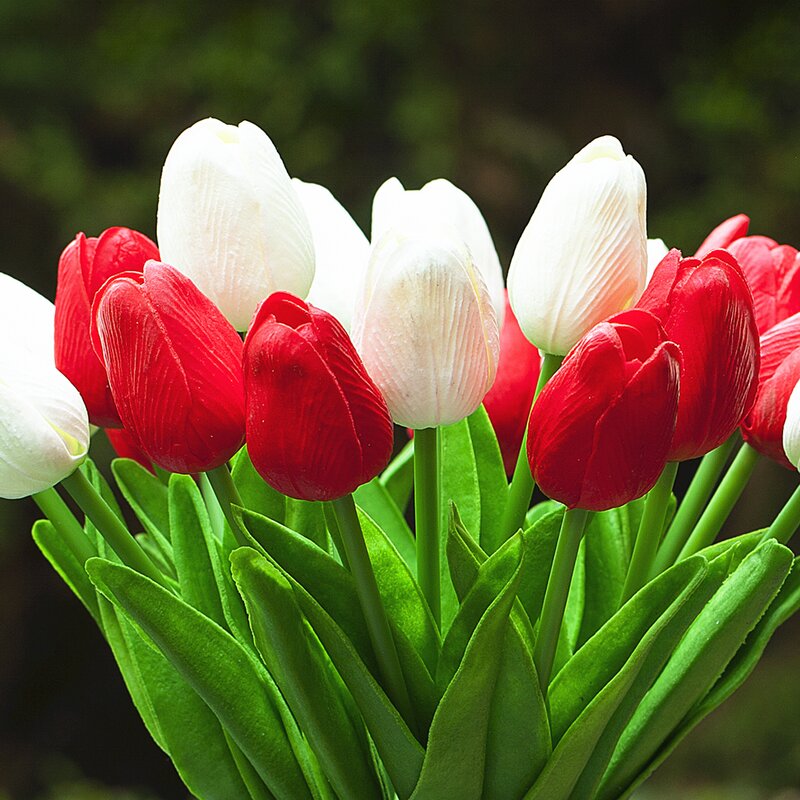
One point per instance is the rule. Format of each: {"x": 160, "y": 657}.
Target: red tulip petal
{"x": 726, "y": 232}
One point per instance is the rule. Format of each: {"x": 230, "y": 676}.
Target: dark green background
{"x": 495, "y": 96}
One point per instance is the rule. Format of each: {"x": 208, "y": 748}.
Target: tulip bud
{"x": 85, "y": 265}
{"x": 426, "y": 329}
{"x": 791, "y": 428}
{"x": 772, "y": 272}
{"x": 508, "y": 402}
{"x": 600, "y": 430}
{"x": 583, "y": 255}
{"x": 317, "y": 426}
{"x": 726, "y": 232}
{"x": 656, "y": 250}
{"x": 342, "y": 252}
{"x": 706, "y": 309}
{"x": 125, "y": 446}
{"x": 26, "y": 323}
{"x": 230, "y": 219}
{"x": 778, "y": 375}
{"x": 444, "y": 210}
{"x": 175, "y": 368}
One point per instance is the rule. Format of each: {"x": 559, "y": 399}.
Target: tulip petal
{"x": 26, "y": 322}
{"x": 791, "y": 428}
{"x": 726, "y": 232}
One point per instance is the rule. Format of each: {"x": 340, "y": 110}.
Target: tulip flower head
{"x": 448, "y": 211}
{"x": 656, "y": 250}
{"x": 125, "y": 447}
{"x": 791, "y": 428}
{"x": 727, "y": 231}
{"x": 600, "y": 430}
{"x": 706, "y": 308}
{"x": 85, "y": 265}
{"x": 778, "y": 375}
{"x": 26, "y": 323}
{"x": 583, "y": 255}
{"x": 426, "y": 329}
{"x": 508, "y": 402}
{"x": 317, "y": 425}
{"x": 230, "y": 219}
{"x": 342, "y": 252}
{"x": 175, "y": 368}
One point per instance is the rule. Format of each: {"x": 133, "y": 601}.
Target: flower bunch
{"x": 283, "y": 628}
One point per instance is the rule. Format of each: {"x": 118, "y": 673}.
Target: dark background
{"x": 495, "y": 96}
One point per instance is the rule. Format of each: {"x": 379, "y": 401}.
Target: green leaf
{"x": 378, "y": 503}
{"x": 217, "y": 667}
{"x": 308, "y": 519}
{"x": 464, "y": 555}
{"x": 295, "y": 658}
{"x": 398, "y": 477}
{"x": 492, "y": 482}
{"x": 147, "y": 496}
{"x": 257, "y": 495}
{"x": 191, "y": 530}
{"x": 540, "y": 509}
{"x": 456, "y": 753}
{"x": 698, "y": 661}
{"x": 61, "y": 558}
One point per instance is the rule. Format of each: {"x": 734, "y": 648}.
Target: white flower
{"x": 26, "y": 322}
{"x": 426, "y": 329}
{"x": 342, "y": 252}
{"x": 230, "y": 219}
{"x": 656, "y": 250}
{"x": 791, "y": 428}
{"x": 583, "y": 255}
{"x": 445, "y": 210}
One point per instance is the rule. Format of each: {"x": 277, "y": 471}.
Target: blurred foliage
{"x": 494, "y": 95}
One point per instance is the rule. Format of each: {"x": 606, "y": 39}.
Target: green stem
{"x": 426, "y": 514}
{"x": 228, "y": 495}
{"x": 63, "y": 520}
{"x": 110, "y": 526}
{"x": 722, "y": 503}
{"x": 692, "y": 505}
{"x": 788, "y": 520}
{"x": 649, "y": 534}
{"x": 369, "y": 597}
{"x": 522, "y": 484}
{"x": 555, "y": 598}
{"x": 332, "y": 521}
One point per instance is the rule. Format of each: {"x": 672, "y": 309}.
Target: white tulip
{"x": 342, "y": 252}
{"x": 447, "y": 210}
{"x": 656, "y": 250}
{"x": 791, "y": 428}
{"x": 426, "y": 329}
{"x": 582, "y": 256}
{"x": 230, "y": 219}
{"x": 26, "y": 323}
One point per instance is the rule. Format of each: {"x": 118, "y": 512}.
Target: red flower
{"x": 600, "y": 430}
{"x": 125, "y": 447}
{"x": 773, "y": 275}
{"x": 175, "y": 368}
{"x": 508, "y": 402}
{"x": 726, "y": 232}
{"x": 317, "y": 425}
{"x": 707, "y": 310}
{"x": 85, "y": 265}
{"x": 780, "y": 372}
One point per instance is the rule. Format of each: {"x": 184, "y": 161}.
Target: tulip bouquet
{"x": 289, "y": 622}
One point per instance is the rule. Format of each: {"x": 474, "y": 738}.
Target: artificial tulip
{"x": 583, "y": 255}
{"x": 600, "y": 431}
{"x": 772, "y": 271}
{"x": 426, "y": 329}
{"x": 727, "y": 231}
{"x": 85, "y": 265}
{"x": 706, "y": 308}
{"x": 317, "y": 425}
{"x": 791, "y": 428}
{"x": 230, "y": 219}
{"x": 508, "y": 402}
{"x": 26, "y": 323}
{"x": 778, "y": 375}
{"x": 175, "y": 368}
{"x": 342, "y": 252}
{"x": 446, "y": 210}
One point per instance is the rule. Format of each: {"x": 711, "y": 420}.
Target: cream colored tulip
{"x": 791, "y": 428}
{"x": 230, "y": 219}
{"x": 656, "y": 250}
{"x": 583, "y": 255}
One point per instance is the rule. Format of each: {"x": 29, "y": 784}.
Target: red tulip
{"x": 508, "y": 402}
{"x": 125, "y": 447}
{"x": 175, "y": 368}
{"x": 317, "y": 425}
{"x": 780, "y": 372}
{"x": 707, "y": 310}
{"x": 726, "y": 232}
{"x": 85, "y": 265}
{"x": 600, "y": 430}
{"x": 773, "y": 275}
